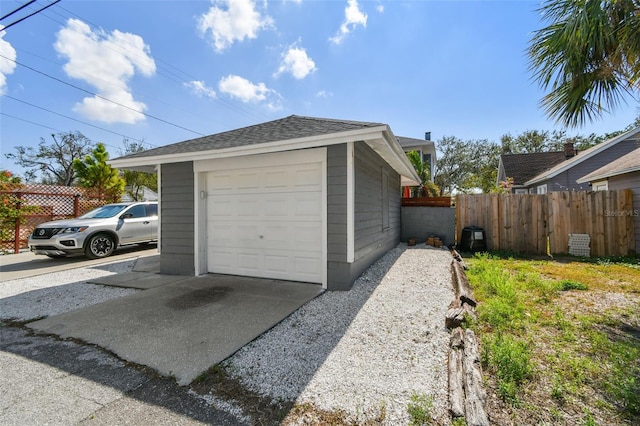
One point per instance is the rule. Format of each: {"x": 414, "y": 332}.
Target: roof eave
{"x": 601, "y": 176}
{"x": 392, "y": 153}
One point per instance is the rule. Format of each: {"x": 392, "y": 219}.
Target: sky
{"x": 160, "y": 72}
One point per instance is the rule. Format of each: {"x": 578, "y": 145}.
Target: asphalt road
{"x": 27, "y": 264}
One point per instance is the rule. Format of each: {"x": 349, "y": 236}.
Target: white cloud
{"x": 353, "y": 17}
{"x": 380, "y": 8}
{"x": 296, "y": 61}
{"x": 106, "y": 61}
{"x": 228, "y": 21}
{"x": 6, "y": 65}
{"x": 200, "y": 88}
{"x": 324, "y": 94}
{"x": 241, "y": 88}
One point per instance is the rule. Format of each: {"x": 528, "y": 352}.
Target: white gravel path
{"x": 59, "y": 292}
{"x": 365, "y": 351}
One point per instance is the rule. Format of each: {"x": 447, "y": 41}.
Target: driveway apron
{"x": 185, "y": 326}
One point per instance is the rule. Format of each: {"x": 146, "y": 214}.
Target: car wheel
{"x": 100, "y": 245}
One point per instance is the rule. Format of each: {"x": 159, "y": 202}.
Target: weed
{"x": 459, "y": 421}
{"x": 566, "y": 285}
{"x": 420, "y": 408}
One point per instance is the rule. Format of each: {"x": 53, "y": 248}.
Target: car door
{"x": 152, "y": 214}
{"x": 135, "y": 225}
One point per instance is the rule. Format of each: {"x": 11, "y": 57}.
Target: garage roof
{"x": 292, "y": 132}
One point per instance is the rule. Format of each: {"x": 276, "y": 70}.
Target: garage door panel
{"x": 266, "y": 222}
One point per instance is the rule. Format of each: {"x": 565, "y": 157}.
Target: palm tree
{"x": 426, "y": 188}
{"x": 589, "y": 55}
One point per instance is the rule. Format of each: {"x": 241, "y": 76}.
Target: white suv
{"x": 99, "y": 232}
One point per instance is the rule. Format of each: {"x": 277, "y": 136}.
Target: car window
{"x": 137, "y": 211}
{"x": 152, "y": 210}
{"x": 104, "y": 212}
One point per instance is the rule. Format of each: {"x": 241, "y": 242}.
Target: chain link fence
{"x": 36, "y": 204}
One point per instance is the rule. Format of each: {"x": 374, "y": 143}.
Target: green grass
{"x": 420, "y": 409}
{"x": 545, "y": 356}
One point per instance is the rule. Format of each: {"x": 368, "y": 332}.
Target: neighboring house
{"x": 623, "y": 173}
{"x": 564, "y": 175}
{"x": 299, "y": 198}
{"x": 426, "y": 147}
{"x": 146, "y": 195}
{"x": 523, "y": 167}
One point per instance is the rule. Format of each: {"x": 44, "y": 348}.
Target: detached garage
{"x": 300, "y": 198}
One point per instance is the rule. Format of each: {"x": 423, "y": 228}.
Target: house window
{"x": 541, "y": 189}
{"x": 385, "y": 200}
{"x": 522, "y": 191}
{"x": 600, "y": 186}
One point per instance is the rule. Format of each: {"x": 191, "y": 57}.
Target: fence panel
{"x": 523, "y": 223}
{"x": 43, "y": 203}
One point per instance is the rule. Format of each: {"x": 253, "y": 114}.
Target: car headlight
{"x": 73, "y": 230}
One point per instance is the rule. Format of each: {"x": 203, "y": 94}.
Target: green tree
{"x": 588, "y": 55}
{"x": 465, "y": 166}
{"x": 53, "y": 163}
{"x": 94, "y": 172}
{"x": 137, "y": 181}
{"x": 426, "y": 187}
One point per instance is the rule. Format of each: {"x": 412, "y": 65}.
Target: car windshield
{"x": 103, "y": 212}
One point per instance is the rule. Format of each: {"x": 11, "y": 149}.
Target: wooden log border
{"x": 467, "y": 397}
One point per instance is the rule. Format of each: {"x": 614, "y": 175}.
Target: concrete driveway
{"x": 27, "y": 264}
{"x": 181, "y": 326}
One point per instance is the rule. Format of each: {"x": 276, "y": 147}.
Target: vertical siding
{"x": 177, "y": 219}
{"x": 338, "y": 270}
{"x": 630, "y": 181}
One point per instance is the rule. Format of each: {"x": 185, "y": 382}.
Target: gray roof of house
{"x": 291, "y": 127}
{"x": 522, "y": 167}
{"x": 626, "y": 164}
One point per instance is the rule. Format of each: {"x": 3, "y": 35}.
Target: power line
{"x": 30, "y": 15}
{"x": 101, "y": 97}
{"x": 76, "y": 120}
{"x": 47, "y": 127}
{"x": 18, "y": 9}
{"x": 165, "y": 70}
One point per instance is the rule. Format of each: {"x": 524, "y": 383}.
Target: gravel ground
{"x": 59, "y": 292}
{"x": 365, "y": 352}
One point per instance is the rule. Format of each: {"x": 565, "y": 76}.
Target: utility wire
{"x": 17, "y": 10}
{"x": 76, "y": 120}
{"x": 165, "y": 70}
{"x": 30, "y": 15}
{"x": 101, "y": 97}
{"x": 47, "y": 127}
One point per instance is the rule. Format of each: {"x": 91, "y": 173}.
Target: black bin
{"x": 473, "y": 239}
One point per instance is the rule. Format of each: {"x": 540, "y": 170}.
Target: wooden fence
{"x": 541, "y": 224}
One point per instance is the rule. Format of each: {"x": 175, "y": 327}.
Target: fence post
{"x": 76, "y": 205}
{"x": 16, "y": 235}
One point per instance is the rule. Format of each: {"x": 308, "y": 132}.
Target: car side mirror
{"x": 126, "y": 216}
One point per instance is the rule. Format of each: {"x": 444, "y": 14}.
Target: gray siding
{"x": 630, "y": 181}
{"x": 371, "y": 240}
{"x": 566, "y": 181}
{"x": 177, "y": 219}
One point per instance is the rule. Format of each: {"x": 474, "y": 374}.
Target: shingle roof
{"x": 522, "y": 167}
{"x": 584, "y": 155}
{"x": 626, "y": 164}
{"x": 291, "y": 127}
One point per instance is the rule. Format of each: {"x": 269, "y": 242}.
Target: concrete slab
{"x": 139, "y": 280}
{"x": 148, "y": 264}
{"x": 183, "y": 328}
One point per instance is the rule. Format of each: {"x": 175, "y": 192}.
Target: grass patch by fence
{"x": 560, "y": 338}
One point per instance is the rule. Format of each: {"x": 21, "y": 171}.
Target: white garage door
{"x": 265, "y": 219}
